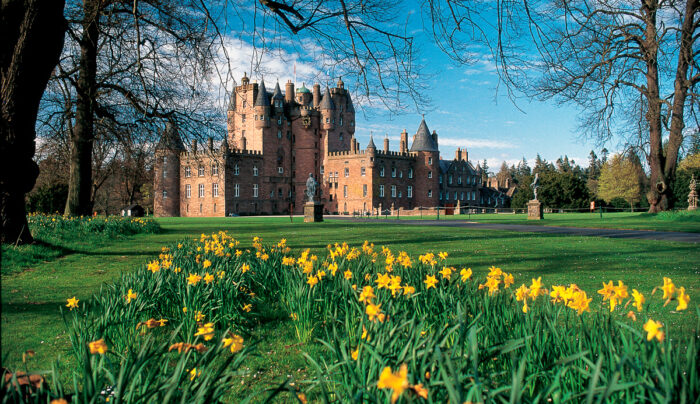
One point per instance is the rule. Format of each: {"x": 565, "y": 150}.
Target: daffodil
{"x": 669, "y": 288}
{"x": 235, "y": 341}
{"x": 130, "y": 295}
{"x": 72, "y": 303}
{"x": 154, "y": 266}
{"x": 683, "y": 299}
{"x": 607, "y": 291}
{"x": 638, "y": 299}
{"x": 208, "y": 278}
{"x": 446, "y": 272}
{"x": 508, "y": 280}
{"x": 652, "y": 328}
{"x": 98, "y": 347}
{"x": 367, "y": 294}
{"x": 206, "y": 331}
{"x": 347, "y": 274}
{"x": 430, "y": 281}
{"x": 194, "y": 373}
{"x": 312, "y": 281}
{"x": 397, "y": 382}
{"x": 536, "y": 287}
{"x": 193, "y": 279}
{"x": 247, "y": 307}
{"x": 374, "y": 312}
{"x": 465, "y": 273}
{"x": 245, "y": 268}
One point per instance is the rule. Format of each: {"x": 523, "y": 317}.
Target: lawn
{"x": 32, "y": 295}
{"x": 678, "y": 221}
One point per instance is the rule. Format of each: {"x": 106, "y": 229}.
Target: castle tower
{"x": 289, "y": 93}
{"x": 427, "y": 166}
{"x": 166, "y": 182}
{"x": 262, "y": 107}
{"x": 371, "y": 148}
{"x": 327, "y": 108}
{"x": 317, "y": 95}
{"x": 278, "y": 100}
{"x": 386, "y": 143}
{"x": 403, "y": 144}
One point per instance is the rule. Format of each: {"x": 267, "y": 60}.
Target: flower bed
{"x": 393, "y": 328}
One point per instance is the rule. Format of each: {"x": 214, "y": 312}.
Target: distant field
{"x": 32, "y": 295}
{"x": 679, "y": 221}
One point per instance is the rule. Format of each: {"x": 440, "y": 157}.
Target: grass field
{"x": 679, "y": 221}
{"x": 31, "y": 295}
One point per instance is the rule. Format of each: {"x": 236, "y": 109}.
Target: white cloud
{"x": 475, "y": 143}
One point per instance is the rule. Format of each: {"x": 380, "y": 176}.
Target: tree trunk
{"x": 83, "y": 134}
{"x": 32, "y": 35}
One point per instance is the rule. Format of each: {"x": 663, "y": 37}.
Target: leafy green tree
{"x": 620, "y": 178}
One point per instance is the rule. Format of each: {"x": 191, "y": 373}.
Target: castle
{"x": 275, "y": 140}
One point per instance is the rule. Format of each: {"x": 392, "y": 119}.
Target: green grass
{"x": 32, "y": 295}
{"x": 682, "y": 221}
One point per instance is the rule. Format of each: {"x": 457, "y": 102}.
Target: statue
{"x": 310, "y": 188}
{"x": 693, "y": 195}
{"x": 535, "y": 184}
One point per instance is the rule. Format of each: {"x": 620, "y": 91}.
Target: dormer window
{"x": 200, "y": 171}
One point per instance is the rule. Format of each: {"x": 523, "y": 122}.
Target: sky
{"x": 468, "y": 107}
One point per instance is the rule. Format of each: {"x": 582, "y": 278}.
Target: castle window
{"x": 459, "y": 180}
{"x": 280, "y": 170}
{"x": 430, "y": 193}
{"x": 236, "y": 190}
{"x": 255, "y": 171}
{"x": 243, "y": 115}
{"x": 279, "y": 134}
{"x": 473, "y": 195}
{"x": 214, "y": 169}
{"x": 410, "y": 173}
{"x": 236, "y": 171}
{"x": 439, "y": 178}
{"x": 279, "y": 192}
{"x": 188, "y": 172}
{"x": 461, "y": 196}
{"x": 272, "y": 194}
{"x": 430, "y": 175}
{"x": 362, "y": 171}
{"x": 341, "y": 136}
{"x": 449, "y": 179}
{"x": 401, "y": 174}
{"x": 447, "y": 195}
{"x": 245, "y": 103}
{"x": 201, "y": 190}
{"x": 215, "y": 189}
{"x": 187, "y": 208}
{"x": 345, "y": 191}
{"x": 409, "y": 192}
{"x": 381, "y": 171}
{"x": 330, "y": 197}
{"x": 393, "y": 191}
{"x": 165, "y": 167}
{"x": 393, "y": 172}
{"x": 200, "y": 171}
{"x": 255, "y": 190}
{"x": 455, "y": 195}
{"x": 347, "y": 172}
{"x": 381, "y": 191}
{"x": 279, "y": 120}
{"x": 165, "y": 194}
{"x": 188, "y": 191}
{"x": 321, "y": 171}
{"x": 341, "y": 118}
{"x": 256, "y": 117}
{"x": 289, "y": 135}
{"x": 430, "y": 161}
{"x": 364, "y": 189}
{"x": 328, "y": 120}
{"x": 400, "y": 194}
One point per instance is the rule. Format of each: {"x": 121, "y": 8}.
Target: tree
{"x": 688, "y": 167}
{"x": 626, "y": 65}
{"x": 503, "y": 175}
{"x": 32, "y": 37}
{"x": 484, "y": 171}
{"x": 620, "y": 178}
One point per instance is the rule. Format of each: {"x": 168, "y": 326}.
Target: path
{"x": 573, "y": 231}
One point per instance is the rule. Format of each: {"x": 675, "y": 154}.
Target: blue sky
{"x": 469, "y": 108}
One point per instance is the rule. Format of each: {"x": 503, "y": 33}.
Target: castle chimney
{"x": 210, "y": 143}
{"x": 435, "y": 138}
{"x": 403, "y": 145}
{"x": 317, "y": 95}
{"x": 386, "y": 144}
{"x": 289, "y": 92}
{"x": 458, "y": 154}
{"x": 465, "y": 155}
{"x": 194, "y": 146}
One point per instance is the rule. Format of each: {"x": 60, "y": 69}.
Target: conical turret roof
{"x": 423, "y": 141}
{"x": 262, "y": 100}
{"x": 327, "y": 102}
{"x": 371, "y": 145}
{"x": 170, "y": 139}
{"x": 277, "y": 93}
{"x": 350, "y": 107}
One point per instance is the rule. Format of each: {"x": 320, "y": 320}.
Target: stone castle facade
{"x": 276, "y": 139}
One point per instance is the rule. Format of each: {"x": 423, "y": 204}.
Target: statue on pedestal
{"x": 535, "y": 184}
{"x": 693, "y": 195}
{"x": 310, "y": 188}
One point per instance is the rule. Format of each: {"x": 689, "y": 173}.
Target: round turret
{"x": 166, "y": 181}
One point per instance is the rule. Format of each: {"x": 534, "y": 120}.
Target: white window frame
{"x": 362, "y": 171}
{"x": 201, "y": 190}
{"x": 188, "y": 172}
{"x": 236, "y": 170}
{"x": 255, "y": 171}
{"x": 236, "y": 190}
{"x": 409, "y": 192}
{"x": 280, "y": 170}
{"x": 214, "y": 169}
{"x": 410, "y": 173}
{"x": 215, "y": 189}
{"x": 165, "y": 194}
{"x": 188, "y": 191}
{"x": 347, "y": 172}
{"x": 381, "y": 171}
{"x": 430, "y": 174}
{"x": 255, "y": 190}
{"x": 381, "y": 191}
{"x": 393, "y": 191}
{"x": 200, "y": 171}
{"x": 345, "y": 191}
{"x": 364, "y": 189}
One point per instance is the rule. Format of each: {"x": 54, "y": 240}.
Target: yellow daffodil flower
{"x": 397, "y": 382}
{"x": 98, "y": 347}
{"x": 430, "y": 282}
{"x": 465, "y": 273}
{"x": 193, "y": 279}
{"x": 652, "y": 328}
{"x": 130, "y": 295}
{"x": 638, "y": 299}
{"x": 72, "y": 303}
{"x": 683, "y": 299}
{"x": 235, "y": 342}
{"x": 206, "y": 331}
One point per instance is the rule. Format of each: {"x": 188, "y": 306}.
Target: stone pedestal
{"x": 534, "y": 210}
{"x": 458, "y": 208}
{"x": 313, "y": 212}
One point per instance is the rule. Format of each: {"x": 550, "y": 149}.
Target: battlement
{"x": 345, "y": 153}
{"x": 397, "y": 154}
{"x": 218, "y": 152}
